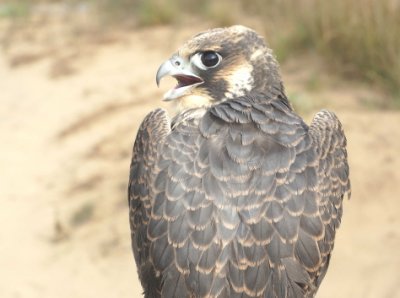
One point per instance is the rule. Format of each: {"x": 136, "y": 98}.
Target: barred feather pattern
{"x": 243, "y": 201}
{"x": 152, "y": 131}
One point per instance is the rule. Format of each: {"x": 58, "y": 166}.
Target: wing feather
{"x": 151, "y": 133}
{"x": 243, "y": 201}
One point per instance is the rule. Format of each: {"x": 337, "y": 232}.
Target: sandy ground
{"x": 69, "y": 111}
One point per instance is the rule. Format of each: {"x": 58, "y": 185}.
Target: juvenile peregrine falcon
{"x": 235, "y": 196}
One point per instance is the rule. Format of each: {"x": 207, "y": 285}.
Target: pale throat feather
{"x": 191, "y": 101}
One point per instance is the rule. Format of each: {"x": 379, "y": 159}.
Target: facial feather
{"x": 246, "y": 65}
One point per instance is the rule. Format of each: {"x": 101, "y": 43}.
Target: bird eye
{"x": 207, "y": 59}
{"x": 210, "y": 58}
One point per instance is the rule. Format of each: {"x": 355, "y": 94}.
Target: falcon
{"x": 235, "y": 195}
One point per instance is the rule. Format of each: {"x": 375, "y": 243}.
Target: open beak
{"x": 182, "y": 72}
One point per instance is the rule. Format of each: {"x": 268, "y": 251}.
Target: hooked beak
{"x": 182, "y": 72}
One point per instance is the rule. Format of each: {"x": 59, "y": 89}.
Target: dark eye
{"x": 210, "y": 58}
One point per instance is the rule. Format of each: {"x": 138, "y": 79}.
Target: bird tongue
{"x": 185, "y": 80}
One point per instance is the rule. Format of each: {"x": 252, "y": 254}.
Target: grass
{"x": 137, "y": 12}
{"x": 15, "y": 9}
{"x": 359, "y": 38}
{"x": 151, "y": 12}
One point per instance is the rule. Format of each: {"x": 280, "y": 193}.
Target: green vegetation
{"x": 358, "y": 38}
{"x": 15, "y": 9}
{"x": 151, "y": 12}
{"x": 137, "y": 12}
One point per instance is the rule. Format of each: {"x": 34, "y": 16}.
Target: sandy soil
{"x": 69, "y": 113}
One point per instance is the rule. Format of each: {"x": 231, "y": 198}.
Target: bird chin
{"x": 178, "y": 92}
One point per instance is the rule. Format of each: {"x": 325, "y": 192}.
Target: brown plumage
{"x": 235, "y": 196}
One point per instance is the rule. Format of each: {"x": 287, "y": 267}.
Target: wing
{"x": 242, "y": 206}
{"x": 333, "y": 176}
{"x": 151, "y": 134}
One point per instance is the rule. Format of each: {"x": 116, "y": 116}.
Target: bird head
{"x": 220, "y": 64}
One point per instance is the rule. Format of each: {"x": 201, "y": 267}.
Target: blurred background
{"x": 77, "y": 78}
